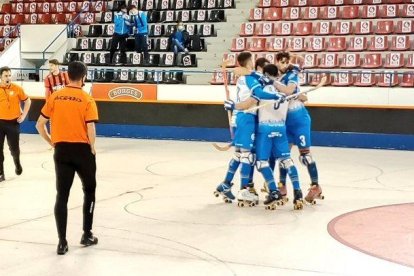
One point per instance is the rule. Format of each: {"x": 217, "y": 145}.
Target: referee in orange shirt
{"x": 72, "y": 113}
{"x": 11, "y": 95}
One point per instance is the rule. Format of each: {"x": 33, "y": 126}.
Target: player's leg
{"x": 13, "y": 140}
{"x": 224, "y": 188}
{"x": 65, "y": 172}
{"x": 283, "y": 173}
{"x": 86, "y": 169}
{"x": 2, "y": 137}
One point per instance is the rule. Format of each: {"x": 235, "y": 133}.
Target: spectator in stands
{"x": 121, "y": 33}
{"x": 56, "y": 79}
{"x": 139, "y": 19}
{"x": 179, "y": 39}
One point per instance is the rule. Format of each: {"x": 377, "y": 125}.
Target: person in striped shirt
{"x": 56, "y": 79}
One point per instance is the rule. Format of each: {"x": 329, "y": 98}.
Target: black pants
{"x": 118, "y": 40}
{"x": 9, "y": 129}
{"x": 141, "y": 45}
{"x": 70, "y": 158}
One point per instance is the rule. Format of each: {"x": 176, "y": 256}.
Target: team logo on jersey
{"x": 125, "y": 91}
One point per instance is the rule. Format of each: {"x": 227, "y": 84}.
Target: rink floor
{"x": 156, "y": 215}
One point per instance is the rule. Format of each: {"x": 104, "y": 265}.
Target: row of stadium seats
{"x": 148, "y": 5}
{"x": 159, "y": 44}
{"x": 348, "y": 60}
{"x": 318, "y": 44}
{"x": 332, "y": 12}
{"x": 135, "y": 76}
{"x": 363, "y": 78}
{"x": 304, "y": 3}
{"x": 47, "y": 18}
{"x": 133, "y": 59}
{"x": 54, "y": 7}
{"x": 327, "y": 28}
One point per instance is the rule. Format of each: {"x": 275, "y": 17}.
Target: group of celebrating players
{"x": 268, "y": 117}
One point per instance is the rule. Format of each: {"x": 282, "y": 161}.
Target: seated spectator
{"x": 179, "y": 39}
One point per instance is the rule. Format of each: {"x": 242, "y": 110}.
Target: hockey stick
{"x": 226, "y": 87}
{"x": 290, "y": 97}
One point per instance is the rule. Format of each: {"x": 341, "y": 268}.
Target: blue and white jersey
{"x": 272, "y": 117}
{"x": 296, "y": 107}
{"x": 122, "y": 23}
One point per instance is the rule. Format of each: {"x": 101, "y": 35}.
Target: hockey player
{"x": 298, "y": 125}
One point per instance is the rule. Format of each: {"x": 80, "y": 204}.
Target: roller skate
{"x": 253, "y": 191}
{"x": 2, "y": 178}
{"x": 273, "y": 199}
{"x": 315, "y": 191}
{"x": 297, "y": 199}
{"x": 246, "y": 198}
{"x": 283, "y": 191}
{"x": 224, "y": 189}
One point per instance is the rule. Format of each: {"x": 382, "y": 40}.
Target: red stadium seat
{"x": 238, "y": 44}
{"x": 316, "y": 78}
{"x": 350, "y": 60}
{"x": 271, "y": 57}
{"x": 365, "y": 79}
{"x": 273, "y": 14}
{"x": 357, "y": 44}
{"x": 275, "y": 44}
{"x": 98, "y": 6}
{"x": 264, "y": 3}
{"x": 292, "y": 13}
{"x": 30, "y": 18}
{"x": 372, "y": 61}
{"x": 58, "y": 18}
{"x": 311, "y": 13}
{"x": 256, "y": 14}
{"x": 405, "y": 27}
{"x": 17, "y": 7}
{"x": 329, "y": 61}
{"x": 388, "y": 79}
{"x": 410, "y": 61}
{"x": 257, "y": 44}
{"x": 232, "y": 59}
{"x": 30, "y": 7}
{"x": 43, "y": 7}
{"x": 304, "y": 28}
{"x": 378, "y": 43}
{"x": 407, "y": 80}
{"x": 400, "y": 43}
{"x": 323, "y": 28}
{"x": 407, "y": 10}
{"x": 43, "y": 18}
{"x": 352, "y": 2}
{"x": 264, "y": 28}
{"x": 69, "y": 7}
{"x": 394, "y": 60}
{"x": 343, "y": 28}
{"x": 310, "y": 61}
{"x": 6, "y": 8}
{"x": 363, "y": 27}
{"x": 16, "y": 19}
{"x": 297, "y": 44}
{"x": 5, "y": 30}
{"x": 57, "y": 7}
{"x": 247, "y": 29}
{"x": 389, "y": 11}
{"x": 373, "y": 2}
{"x": 343, "y": 79}
{"x": 369, "y": 12}
{"x": 5, "y": 19}
{"x": 280, "y": 3}
{"x": 317, "y": 3}
{"x": 83, "y": 6}
{"x": 385, "y": 27}
{"x": 283, "y": 28}
{"x": 316, "y": 44}
{"x": 336, "y": 44}
{"x": 350, "y": 12}
{"x": 87, "y": 18}
{"x": 217, "y": 77}
{"x": 329, "y": 12}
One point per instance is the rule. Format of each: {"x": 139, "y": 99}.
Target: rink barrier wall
{"x": 333, "y": 125}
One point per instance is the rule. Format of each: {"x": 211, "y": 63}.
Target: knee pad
{"x": 247, "y": 157}
{"x": 261, "y": 164}
{"x": 237, "y": 156}
{"x": 306, "y": 159}
{"x": 286, "y": 163}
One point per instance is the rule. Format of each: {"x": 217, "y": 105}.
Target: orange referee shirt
{"x": 69, "y": 110}
{"x": 10, "y": 98}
